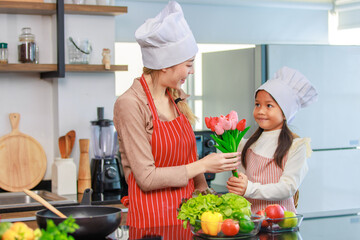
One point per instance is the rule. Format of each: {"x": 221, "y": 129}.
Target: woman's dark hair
{"x": 284, "y": 143}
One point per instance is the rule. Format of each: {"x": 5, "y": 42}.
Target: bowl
{"x": 287, "y": 224}
{"x": 217, "y": 230}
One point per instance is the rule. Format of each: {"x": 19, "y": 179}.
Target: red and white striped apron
{"x": 173, "y": 144}
{"x": 264, "y": 170}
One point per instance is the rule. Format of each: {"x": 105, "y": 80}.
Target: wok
{"x": 95, "y": 222}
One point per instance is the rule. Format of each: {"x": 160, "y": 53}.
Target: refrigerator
{"x": 333, "y": 122}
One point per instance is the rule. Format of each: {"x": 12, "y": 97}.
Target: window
{"x": 337, "y": 36}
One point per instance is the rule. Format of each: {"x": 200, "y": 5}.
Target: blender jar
{"x": 103, "y": 137}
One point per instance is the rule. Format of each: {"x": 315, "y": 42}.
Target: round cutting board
{"x": 22, "y": 159}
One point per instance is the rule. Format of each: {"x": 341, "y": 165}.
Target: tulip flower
{"x": 241, "y": 125}
{"x": 219, "y": 129}
{"x": 233, "y": 118}
{"x": 228, "y": 132}
{"x": 225, "y": 123}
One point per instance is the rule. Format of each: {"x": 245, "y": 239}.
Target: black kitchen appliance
{"x": 205, "y": 146}
{"x": 105, "y": 171}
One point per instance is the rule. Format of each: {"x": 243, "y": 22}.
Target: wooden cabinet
{"x": 59, "y": 8}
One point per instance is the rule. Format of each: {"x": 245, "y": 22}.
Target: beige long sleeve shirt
{"x": 134, "y": 124}
{"x": 295, "y": 169}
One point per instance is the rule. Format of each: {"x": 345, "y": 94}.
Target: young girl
{"x": 273, "y": 158}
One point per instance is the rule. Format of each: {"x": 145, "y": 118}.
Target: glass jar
{"x": 3, "y": 53}
{"x": 27, "y": 46}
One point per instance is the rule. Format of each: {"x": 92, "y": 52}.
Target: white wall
{"x": 50, "y": 108}
{"x": 235, "y": 23}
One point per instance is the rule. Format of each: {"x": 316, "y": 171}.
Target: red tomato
{"x": 264, "y": 223}
{"x": 274, "y": 211}
{"x": 125, "y": 201}
{"x": 230, "y": 227}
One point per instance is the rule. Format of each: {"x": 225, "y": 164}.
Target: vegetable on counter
{"x": 17, "y": 231}
{"x": 20, "y": 231}
{"x": 264, "y": 223}
{"x": 229, "y": 205}
{"x": 4, "y": 226}
{"x": 246, "y": 225}
{"x": 210, "y": 222}
{"x": 274, "y": 211}
{"x": 289, "y": 220}
{"x": 59, "y": 232}
{"x": 230, "y": 227}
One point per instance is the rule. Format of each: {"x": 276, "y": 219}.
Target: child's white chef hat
{"x": 291, "y": 90}
{"x": 166, "y": 40}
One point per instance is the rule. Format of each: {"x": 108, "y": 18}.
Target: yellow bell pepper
{"x": 211, "y": 222}
{"x": 19, "y": 231}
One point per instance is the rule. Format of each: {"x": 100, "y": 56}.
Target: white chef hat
{"x": 291, "y": 90}
{"x": 166, "y": 40}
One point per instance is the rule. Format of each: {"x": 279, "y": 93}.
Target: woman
{"x": 157, "y": 143}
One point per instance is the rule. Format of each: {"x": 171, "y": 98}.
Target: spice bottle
{"x": 27, "y": 46}
{"x": 63, "y": 176}
{"x": 3, "y": 53}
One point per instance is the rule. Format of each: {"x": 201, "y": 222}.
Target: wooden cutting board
{"x": 22, "y": 159}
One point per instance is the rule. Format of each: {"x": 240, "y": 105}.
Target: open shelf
{"x": 26, "y": 68}
{"x": 36, "y": 8}
{"x": 59, "y": 9}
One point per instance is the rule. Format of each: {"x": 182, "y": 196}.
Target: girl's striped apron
{"x": 264, "y": 170}
{"x": 173, "y": 144}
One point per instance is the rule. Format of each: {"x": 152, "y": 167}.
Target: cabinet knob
{"x": 210, "y": 143}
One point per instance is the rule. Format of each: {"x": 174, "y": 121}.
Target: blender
{"x": 105, "y": 170}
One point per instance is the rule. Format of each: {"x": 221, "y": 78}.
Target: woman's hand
{"x": 220, "y": 162}
{"x": 237, "y": 185}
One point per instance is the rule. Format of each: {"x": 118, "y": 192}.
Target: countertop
{"x": 323, "y": 228}
{"x": 329, "y": 225}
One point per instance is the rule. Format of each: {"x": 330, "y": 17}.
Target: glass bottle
{"x": 3, "y": 53}
{"x": 27, "y": 46}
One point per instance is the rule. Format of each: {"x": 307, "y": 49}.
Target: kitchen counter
{"x": 341, "y": 224}
{"x": 27, "y": 213}
{"x": 29, "y": 216}
{"x": 331, "y": 226}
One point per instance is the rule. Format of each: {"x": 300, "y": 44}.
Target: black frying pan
{"x": 95, "y": 222}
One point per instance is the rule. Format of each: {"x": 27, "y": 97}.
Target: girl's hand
{"x": 237, "y": 185}
{"x": 221, "y": 162}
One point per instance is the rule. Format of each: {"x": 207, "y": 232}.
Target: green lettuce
{"x": 228, "y": 205}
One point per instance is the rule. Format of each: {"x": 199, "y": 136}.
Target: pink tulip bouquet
{"x": 228, "y": 132}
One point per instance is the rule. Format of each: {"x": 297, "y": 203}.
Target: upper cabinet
{"x": 58, "y": 70}
{"x": 50, "y": 8}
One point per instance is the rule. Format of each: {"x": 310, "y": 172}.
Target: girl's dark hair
{"x": 284, "y": 143}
